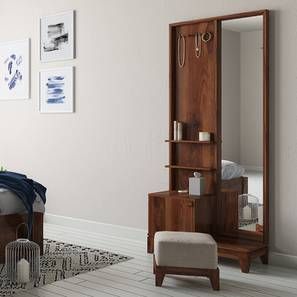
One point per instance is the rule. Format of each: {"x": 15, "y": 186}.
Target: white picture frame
{"x": 15, "y": 70}
{"x": 56, "y": 90}
{"x": 57, "y": 37}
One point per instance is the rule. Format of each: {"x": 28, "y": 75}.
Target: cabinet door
{"x": 180, "y": 214}
{"x": 169, "y": 214}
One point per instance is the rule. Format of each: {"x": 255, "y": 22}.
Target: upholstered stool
{"x": 186, "y": 253}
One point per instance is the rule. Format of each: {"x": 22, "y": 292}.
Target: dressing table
{"x": 213, "y": 81}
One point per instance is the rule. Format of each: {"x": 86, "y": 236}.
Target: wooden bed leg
{"x": 264, "y": 258}
{"x": 215, "y": 279}
{"x": 245, "y": 263}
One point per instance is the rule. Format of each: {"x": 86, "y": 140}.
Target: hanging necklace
{"x": 181, "y": 50}
{"x": 197, "y": 44}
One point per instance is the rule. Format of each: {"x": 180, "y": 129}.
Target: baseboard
{"x": 284, "y": 260}
{"x": 276, "y": 259}
{"x": 97, "y": 227}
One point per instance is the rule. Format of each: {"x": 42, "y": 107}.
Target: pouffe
{"x": 186, "y": 253}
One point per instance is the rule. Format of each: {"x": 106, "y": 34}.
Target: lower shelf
{"x": 238, "y": 244}
{"x": 242, "y": 250}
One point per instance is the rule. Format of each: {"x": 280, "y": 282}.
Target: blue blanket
{"x": 25, "y": 189}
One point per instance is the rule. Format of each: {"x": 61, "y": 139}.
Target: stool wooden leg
{"x": 214, "y": 278}
{"x": 159, "y": 277}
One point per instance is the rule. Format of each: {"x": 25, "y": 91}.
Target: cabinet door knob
{"x": 190, "y": 204}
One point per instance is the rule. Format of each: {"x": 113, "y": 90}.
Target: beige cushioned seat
{"x": 185, "y": 249}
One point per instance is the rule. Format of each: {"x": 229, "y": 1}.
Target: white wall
{"x": 100, "y": 162}
{"x": 231, "y": 96}
{"x": 251, "y": 99}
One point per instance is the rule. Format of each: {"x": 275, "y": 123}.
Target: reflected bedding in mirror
{"x": 242, "y": 116}
{"x": 231, "y": 170}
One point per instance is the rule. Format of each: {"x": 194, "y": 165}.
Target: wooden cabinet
{"x": 172, "y": 211}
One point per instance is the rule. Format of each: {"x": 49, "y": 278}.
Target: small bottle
{"x": 174, "y": 130}
{"x": 179, "y": 131}
{"x": 196, "y": 184}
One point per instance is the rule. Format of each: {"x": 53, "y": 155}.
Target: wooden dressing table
{"x": 196, "y": 100}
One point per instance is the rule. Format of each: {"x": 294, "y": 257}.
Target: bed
{"x": 12, "y": 214}
{"x": 233, "y": 184}
{"x": 232, "y": 177}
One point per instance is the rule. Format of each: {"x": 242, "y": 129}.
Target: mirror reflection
{"x": 242, "y": 117}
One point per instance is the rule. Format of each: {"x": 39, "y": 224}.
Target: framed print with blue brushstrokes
{"x": 15, "y": 70}
{"x": 56, "y": 90}
{"x": 57, "y": 37}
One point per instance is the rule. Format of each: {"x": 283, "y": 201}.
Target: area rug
{"x": 60, "y": 261}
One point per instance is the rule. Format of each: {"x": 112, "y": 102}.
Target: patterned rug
{"x": 61, "y": 261}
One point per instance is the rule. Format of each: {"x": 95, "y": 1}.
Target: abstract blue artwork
{"x": 56, "y": 90}
{"x": 14, "y": 70}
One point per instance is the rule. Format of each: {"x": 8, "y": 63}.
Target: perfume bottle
{"x": 196, "y": 184}
{"x": 177, "y": 130}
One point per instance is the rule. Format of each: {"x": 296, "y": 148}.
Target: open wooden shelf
{"x": 190, "y": 168}
{"x": 178, "y": 194}
{"x": 189, "y": 141}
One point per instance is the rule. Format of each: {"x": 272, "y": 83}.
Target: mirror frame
{"x": 242, "y": 234}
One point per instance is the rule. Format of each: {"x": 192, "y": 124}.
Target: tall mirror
{"x": 242, "y": 117}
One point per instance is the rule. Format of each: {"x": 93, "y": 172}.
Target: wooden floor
{"x": 135, "y": 278}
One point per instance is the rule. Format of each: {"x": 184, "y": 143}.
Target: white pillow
{"x": 10, "y": 203}
{"x": 231, "y": 170}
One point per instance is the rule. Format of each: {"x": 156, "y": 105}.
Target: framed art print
{"x": 15, "y": 70}
{"x": 56, "y": 90}
{"x": 57, "y": 37}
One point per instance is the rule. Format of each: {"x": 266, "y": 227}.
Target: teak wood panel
{"x": 228, "y": 213}
{"x": 195, "y": 83}
{"x": 171, "y": 214}
{"x": 193, "y": 101}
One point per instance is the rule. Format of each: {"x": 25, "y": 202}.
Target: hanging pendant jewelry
{"x": 181, "y": 50}
{"x": 197, "y": 44}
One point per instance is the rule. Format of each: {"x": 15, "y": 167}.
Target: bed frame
{"x": 239, "y": 184}
{"x": 228, "y": 217}
{"x": 8, "y": 225}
